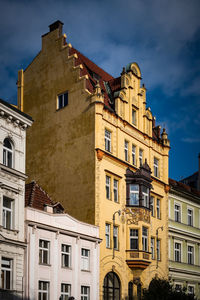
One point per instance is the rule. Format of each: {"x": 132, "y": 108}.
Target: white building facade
{"x": 13, "y": 125}
{"x": 63, "y": 254}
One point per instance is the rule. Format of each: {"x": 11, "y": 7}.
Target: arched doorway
{"x": 111, "y": 287}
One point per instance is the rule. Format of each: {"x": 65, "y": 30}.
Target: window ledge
{"x": 85, "y": 271}
{"x": 66, "y": 268}
{"x": 43, "y": 264}
{"x": 9, "y": 231}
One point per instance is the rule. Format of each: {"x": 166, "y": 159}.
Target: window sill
{"x": 66, "y": 268}
{"x": 85, "y": 271}
{"x": 9, "y": 231}
{"x": 43, "y": 264}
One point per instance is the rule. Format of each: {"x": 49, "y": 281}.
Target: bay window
{"x": 134, "y": 239}
{"x": 134, "y": 194}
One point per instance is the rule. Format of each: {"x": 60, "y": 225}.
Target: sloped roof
{"x": 37, "y": 198}
{"x": 179, "y": 186}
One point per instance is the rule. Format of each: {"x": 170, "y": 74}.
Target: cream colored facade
{"x": 13, "y": 126}
{"x": 80, "y": 155}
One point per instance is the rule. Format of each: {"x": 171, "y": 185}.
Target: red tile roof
{"x": 183, "y": 187}
{"x": 37, "y": 198}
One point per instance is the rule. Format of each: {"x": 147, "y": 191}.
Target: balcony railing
{"x": 138, "y": 259}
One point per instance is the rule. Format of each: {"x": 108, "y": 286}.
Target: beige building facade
{"x": 94, "y": 146}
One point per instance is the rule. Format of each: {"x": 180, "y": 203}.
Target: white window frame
{"x": 140, "y": 157}
{"x": 107, "y": 234}
{"x": 107, "y": 140}
{"x": 134, "y": 236}
{"x": 65, "y": 255}
{"x": 43, "y": 292}
{"x": 116, "y": 237}
{"x": 65, "y": 294}
{"x": 144, "y": 239}
{"x": 42, "y": 250}
{"x": 126, "y": 152}
{"x": 152, "y": 247}
{"x": 178, "y": 284}
{"x": 85, "y": 259}
{"x": 134, "y": 155}
{"x": 177, "y": 252}
{"x": 6, "y": 152}
{"x": 7, "y": 213}
{"x": 61, "y": 101}
{"x": 193, "y": 287}
{"x": 4, "y": 270}
{"x": 85, "y": 292}
{"x": 158, "y": 208}
{"x": 145, "y": 196}
{"x": 191, "y": 254}
{"x": 135, "y": 193}
{"x": 177, "y": 212}
{"x": 116, "y": 190}
{"x": 152, "y": 205}
{"x": 156, "y": 167}
{"x": 190, "y": 216}
{"x": 108, "y": 187}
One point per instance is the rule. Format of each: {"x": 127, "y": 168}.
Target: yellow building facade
{"x": 95, "y": 148}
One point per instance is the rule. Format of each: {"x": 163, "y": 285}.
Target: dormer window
{"x": 8, "y": 153}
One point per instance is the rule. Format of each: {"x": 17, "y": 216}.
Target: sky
{"x": 162, "y": 36}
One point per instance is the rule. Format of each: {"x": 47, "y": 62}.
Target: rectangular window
{"x": 152, "y": 206}
{"x": 108, "y": 181}
{"x": 152, "y": 248}
{"x": 115, "y": 190}
{"x": 140, "y": 157}
{"x": 62, "y": 100}
{"x": 65, "y": 291}
{"x": 190, "y": 255}
{"x": 133, "y": 155}
{"x": 133, "y": 116}
{"x": 190, "y": 217}
{"x": 7, "y": 213}
{"x": 177, "y": 213}
{"x": 44, "y": 252}
{"x": 144, "y": 239}
{"x": 85, "y": 293}
{"x": 133, "y": 239}
{"x": 126, "y": 156}
{"x": 65, "y": 256}
{"x": 158, "y": 249}
{"x": 145, "y": 196}
{"x": 115, "y": 237}
{"x": 85, "y": 259}
{"x": 156, "y": 167}
{"x": 177, "y": 252}
{"x": 178, "y": 287}
{"x": 6, "y": 273}
{"x": 107, "y": 140}
{"x": 158, "y": 209}
{"x": 43, "y": 290}
{"x": 107, "y": 233}
{"x": 134, "y": 194}
{"x": 190, "y": 289}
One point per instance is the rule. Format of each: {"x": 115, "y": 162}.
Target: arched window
{"x": 130, "y": 290}
{"x": 7, "y": 153}
{"x": 111, "y": 287}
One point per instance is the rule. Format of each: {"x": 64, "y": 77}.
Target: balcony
{"x": 138, "y": 259}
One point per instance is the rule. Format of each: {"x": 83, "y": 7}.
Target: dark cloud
{"x": 162, "y": 36}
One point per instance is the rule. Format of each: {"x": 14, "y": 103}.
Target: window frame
{"x": 107, "y": 137}
{"x": 116, "y": 190}
{"x": 177, "y": 212}
{"x": 141, "y": 154}
{"x": 190, "y": 255}
{"x": 133, "y": 152}
{"x": 193, "y": 287}
{"x": 177, "y": 252}
{"x": 153, "y": 248}
{"x": 156, "y": 167}
{"x": 42, "y": 291}
{"x": 107, "y": 235}
{"x": 85, "y": 259}
{"x": 62, "y": 101}
{"x": 4, "y": 270}
{"x": 135, "y": 193}
{"x": 85, "y": 296}
{"x": 158, "y": 249}
{"x": 134, "y": 117}
{"x": 190, "y": 222}
{"x": 63, "y": 292}
{"x": 145, "y": 239}
{"x": 65, "y": 254}
{"x": 6, "y": 211}
{"x": 42, "y": 251}
{"x": 108, "y": 187}
{"x": 116, "y": 237}
{"x": 134, "y": 238}
{"x": 152, "y": 206}
{"x": 126, "y": 150}
{"x": 8, "y": 161}
{"x": 158, "y": 208}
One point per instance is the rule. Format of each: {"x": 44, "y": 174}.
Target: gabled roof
{"x": 181, "y": 187}
{"x": 37, "y": 198}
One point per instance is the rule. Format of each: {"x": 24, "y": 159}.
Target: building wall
{"x": 60, "y": 140}
{"x": 61, "y": 229}
{"x": 182, "y": 272}
{"x": 13, "y": 126}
